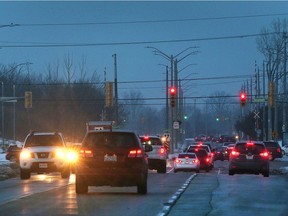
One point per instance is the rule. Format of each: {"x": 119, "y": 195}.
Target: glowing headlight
{"x": 59, "y": 153}
{"x": 71, "y": 156}
{"x": 25, "y": 154}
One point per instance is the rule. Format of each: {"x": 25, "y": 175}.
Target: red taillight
{"x": 86, "y": 153}
{"x": 196, "y": 161}
{"x": 162, "y": 150}
{"x": 278, "y": 150}
{"x": 264, "y": 154}
{"x": 178, "y": 161}
{"x": 235, "y": 153}
{"x": 250, "y": 143}
{"x": 207, "y": 159}
{"x": 146, "y": 138}
{"x": 135, "y": 153}
{"x": 212, "y": 154}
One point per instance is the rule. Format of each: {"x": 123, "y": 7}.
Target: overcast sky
{"x": 97, "y": 30}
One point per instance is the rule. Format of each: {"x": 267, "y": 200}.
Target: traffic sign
{"x": 176, "y": 125}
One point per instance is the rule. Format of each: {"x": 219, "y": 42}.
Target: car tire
{"x": 197, "y": 171}
{"x": 265, "y": 173}
{"x": 175, "y": 170}
{"x": 162, "y": 169}
{"x": 65, "y": 173}
{"x": 24, "y": 174}
{"x": 142, "y": 185}
{"x": 80, "y": 185}
{"x": 231, "y": 172}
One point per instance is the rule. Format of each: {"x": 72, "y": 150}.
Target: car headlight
{"x": 25, "y": 154}
{"x": 71, "y": 156}
{"x": 59, "y": 153}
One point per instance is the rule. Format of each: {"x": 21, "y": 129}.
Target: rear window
{"x": 200, "y": 147}
{"x": 110, "y": 140}
{"x": 271, "y": 144}
{"x": 151, "y": 141}
{"x": 199, "y": 152}
{"x": 186, "y": 155}
{"x": 43, "y": 140}
{"x": 244, "y": 148}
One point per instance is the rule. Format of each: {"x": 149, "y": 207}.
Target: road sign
{"x": 176, "y": 125}
{"x": 256, "y": 115}
{"x": 259, "y": 100}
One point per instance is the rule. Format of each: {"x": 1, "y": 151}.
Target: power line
{"x": 150, "y": 21}
{"x": 132, "y": 43}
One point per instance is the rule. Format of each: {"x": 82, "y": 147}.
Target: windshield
{"x": 43, "y": 140}
{"x": 109, "y": 140}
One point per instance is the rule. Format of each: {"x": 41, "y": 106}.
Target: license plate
{"x": 112, "y": 158}
{"x": 43, "y": 165}
{"x": 249, "y": 157}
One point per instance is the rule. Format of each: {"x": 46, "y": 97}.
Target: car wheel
{"x": 231, "y": 172}
{"x": 24, "y": 174}
{"x": 175, "y": 170}
{"x": 65, "y": 173}
{"x": 266, "y": 173}
{"x": 197, "y": 171}
{"x": 80, "y": 185}
{"x": 142, "y": 185}
{"x": 162, "y": 169}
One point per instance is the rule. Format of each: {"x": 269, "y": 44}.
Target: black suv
{"x": 112, "y": 158}
{"x": 274, "y": 149}
{"x": 249, "y": 157}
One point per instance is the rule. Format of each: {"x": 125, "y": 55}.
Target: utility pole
{"x": 116, "y": 89}
{"x": 264, "y": 106}
{"x": 284, "y": 92}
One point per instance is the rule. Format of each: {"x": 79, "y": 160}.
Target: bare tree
{"x": 68, "y": 67}
{"x": 271, "y": 45}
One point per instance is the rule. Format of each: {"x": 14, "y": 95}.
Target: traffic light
{"x": 217, "y": 118}
{"x": 172, "y": 91}
{"x": 28, "y": 99}
{"x": 243, "y": 99}
{"x": 185, "y": 117}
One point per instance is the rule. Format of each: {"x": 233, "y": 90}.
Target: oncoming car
{"x": 249, "y": 157}
{"x": 44, "y": 152}
{"x": 186, "y": 162}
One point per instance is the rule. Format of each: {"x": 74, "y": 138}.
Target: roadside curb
{"x": 172, "y": 201}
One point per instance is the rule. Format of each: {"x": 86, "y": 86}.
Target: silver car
{"x": 186, "y": 162}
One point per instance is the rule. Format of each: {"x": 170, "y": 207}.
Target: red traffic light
{"x": 243, "y": 99}
{"x": 172, "y": 90}
{"x": 243, "y": 96}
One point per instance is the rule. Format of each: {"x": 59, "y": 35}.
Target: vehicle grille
{"x": 42, "y": 154}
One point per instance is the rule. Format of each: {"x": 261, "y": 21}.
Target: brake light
{"x": 196, "y": 161}
{"x": 278, "y": 150}
{"x": 146, "y": 137}
{"x": 235, "y": 153}
{"x": 212, "y": 154}
{"x": 264, "y": 154}
{"x": 178, "y": 161}
{"x": 135, "y": 153}
{"x": 162, "y": 150}
{"x": 86, "y": 153}
{"x": 250, "y": 143}
{"x": 207, "y": 159}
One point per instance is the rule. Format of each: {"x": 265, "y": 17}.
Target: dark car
{"x": 274, "y": 149}
{"x": 249, "y": 157}
{"x": 204, "y": 158}
{"x": 13, "y": 153}
{"x": 221, "y": 153}
{"x": 112, "y": 158}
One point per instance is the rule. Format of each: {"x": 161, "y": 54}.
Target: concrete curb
{"x": 171, "y": 202}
